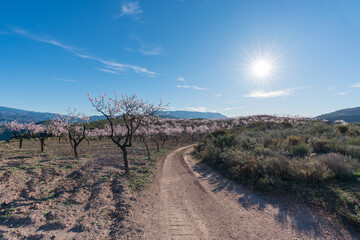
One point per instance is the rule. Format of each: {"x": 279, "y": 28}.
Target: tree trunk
{"x": 20, "y": 143}
{"x": 59, "y": 140}
{"x": 163, "y": 142}
{"x": 75, "y": 151}
{"x": 126, "y": 163}
{"x": 147, "y": 149}
{"x": 42, "y": 143}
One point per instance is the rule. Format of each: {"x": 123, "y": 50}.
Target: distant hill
{"x": 191, "y": 115}
{"x": 11, "y": 114}
{"x": 349, "y": 115}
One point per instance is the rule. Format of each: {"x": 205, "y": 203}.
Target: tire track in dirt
{"x": 195, "y": 202}
{"x": 177, "y": 221}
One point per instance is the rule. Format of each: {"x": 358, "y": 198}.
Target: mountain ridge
{"x": 350, "y": 115}
{"x": 12, "y": 114}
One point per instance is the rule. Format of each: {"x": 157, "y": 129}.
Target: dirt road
{"x": 191, "y": 201}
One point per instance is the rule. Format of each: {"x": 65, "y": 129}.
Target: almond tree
{"x": 176, "y": 133}
{"x": 145, "y": 134}
{"x": 191, "y": 131}
{"x": 154, "y": 138}
{"x": 161, "y": 133}
{"x": 97, "y": 133}
{"x": 41, "y": 132}
{"x": 73, "y": 125}
{"x": 18, "y": 130}
{"x": 132, "y": 111}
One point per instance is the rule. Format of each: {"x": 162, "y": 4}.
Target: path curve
{"x": 193, "y": 201}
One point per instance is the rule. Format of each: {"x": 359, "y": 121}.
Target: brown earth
{"x": 189, "y": 200}
{"x": 51, "y": 195}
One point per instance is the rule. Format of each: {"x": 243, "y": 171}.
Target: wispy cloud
{"x": 181, "y": 79}
{"x": 129, "y": 8}
{"x": 270, "y": 94}
{"x": 356, "y": 85}
{"x": 115, "y": 67}
{"x": 153, "y": 51}
{"x": 25, "y": 33}
{"x": 197, "y": 109}
{"x": 122, "y": 67}
{"x": 193, "y": 87}
{"x": 340, "y": 93}
{"x": 106, "y": 70}
{"x": 110, "y": 66}
{"x": 218, "y": 95}
{"x": 147, "y": 50}
{"x": 232, "y": 108}
{"x": 65, "y": 80}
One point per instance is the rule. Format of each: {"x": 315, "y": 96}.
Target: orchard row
{"x": 128, "y": 117}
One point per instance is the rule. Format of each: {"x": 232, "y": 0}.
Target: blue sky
{"x": 196, "y": 55}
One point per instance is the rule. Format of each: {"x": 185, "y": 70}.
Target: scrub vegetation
{"x": 317, "y": 161}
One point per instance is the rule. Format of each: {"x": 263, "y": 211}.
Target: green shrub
{"x": 219, "y": 132}
{"x": 292, "y": 141}
{"x": 209, "y": 153}
{"x": 353, "y": 151}
{"x": 221, "y": 138}
{"x": 278, "y": 166}
{"x": 315, "y": 170}
{"x": 354, "y": 141}
{"x": 336, "y": 163}
{"x": 300, "y": 150}
{"x": 342, "y": 129}
{"x": 318, "y": 128}
{"x": 247, "y": 143}
{"x": 286, "y": 125}
{"x": 268, "y": 183}
{"x": 257, "y": 155}
{"x": 320, "y": 146}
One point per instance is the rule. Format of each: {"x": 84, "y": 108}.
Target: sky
{"x": 229, "y": 56}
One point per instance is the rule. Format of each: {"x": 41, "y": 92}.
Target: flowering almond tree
{"x": 132, "y": 111}
{"x": 176, "y": 133}
{"x": 41, "y": 132}
{"x": 72, "y": 125}
{"x": 145, "y": 133}
{"x": 18, "y": 130}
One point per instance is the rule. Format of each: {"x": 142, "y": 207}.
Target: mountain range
{"x": 350, "y": 115}
{"x": 11, "y": 114}
{"x": 22, "y": 116}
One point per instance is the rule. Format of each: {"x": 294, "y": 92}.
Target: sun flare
{"x": 261, "y": 69}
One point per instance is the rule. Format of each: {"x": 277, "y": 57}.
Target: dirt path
{"x": 191, "y": 201}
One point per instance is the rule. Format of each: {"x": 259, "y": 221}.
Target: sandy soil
{"x": 189, "y": 200}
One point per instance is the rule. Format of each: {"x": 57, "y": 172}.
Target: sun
{"x": 261, "y": 69}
